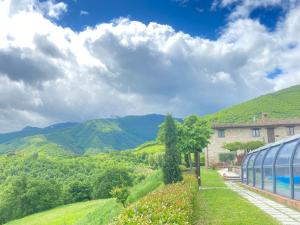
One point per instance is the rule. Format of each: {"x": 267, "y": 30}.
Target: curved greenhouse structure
{"x": 275, "y": 168}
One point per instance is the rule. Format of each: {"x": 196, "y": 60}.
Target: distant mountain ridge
{"x": 282, "y": 104}
{"x": 92, "y": 136}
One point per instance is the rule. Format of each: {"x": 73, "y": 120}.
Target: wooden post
{"x": 197, "y": 160}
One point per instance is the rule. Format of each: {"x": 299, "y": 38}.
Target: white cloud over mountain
{"x": 50, "y": 73}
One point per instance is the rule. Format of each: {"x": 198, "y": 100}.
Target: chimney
{"x": 264, "y": 116}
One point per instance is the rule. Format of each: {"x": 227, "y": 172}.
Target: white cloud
{"x": 49, "y": 73}
{"x": 53, "y": 9}
{"x": 84, "y": 13}
{"x": 243, "y": 8}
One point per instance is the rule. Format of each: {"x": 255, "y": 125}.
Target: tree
{"x": 78, "y": 191}
{"x": 23, "y": 195}
{"x": 105, "y": 182}
{"x": 233, "y": 146}
{"x": 251, "y": 145}
{"x": 171, "y": 170}
{"x": 246, "y": 146}
{"x": 162, "y": 131}
{"x": 193, "y": 138}
{"x": 121, "y": 194}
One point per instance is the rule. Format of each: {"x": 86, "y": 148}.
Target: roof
{"x": 261, "y": 123}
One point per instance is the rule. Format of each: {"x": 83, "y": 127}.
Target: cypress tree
{"x": 171, "y": 170}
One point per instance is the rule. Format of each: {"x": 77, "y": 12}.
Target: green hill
{"x": 95, "y": 212}
{"x": 67, "y": 215}
{"x": 100, "y": 135}
{"x": 149, "y": 148}
{"x": 281, "y": 104}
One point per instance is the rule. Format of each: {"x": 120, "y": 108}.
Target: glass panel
{"x": 268, "y": 178}
{"x": 296, "y": 166}
{"x": 259, "y": 158}
{"x": 257, "y": 177}
{"x": 297, "y": 181}
{"x": 282, "y": 169}
{"x": 297, "y": 156}
{"x": 283, "y": 186}
{"x": 285, "y": 153}
{"x": 245, "y": 168}
{"x": 267, "y": 168}
{"x": 271, "y": 155}
{"x": 250, "y": 168}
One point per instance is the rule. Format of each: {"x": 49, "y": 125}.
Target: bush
{"x": 172, "y": 204}
{"x": 226, "y": 157}
{"x": 107, "y": 181}
{"x": 78, "y": 191}
{"x": 156, "y": 160}
{"x": 121, "y": 194}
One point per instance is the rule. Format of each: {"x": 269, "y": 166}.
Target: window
{"x": 255, "y": 132}
{"x": 221, "y": 133}
{"x": 290, "y": 131}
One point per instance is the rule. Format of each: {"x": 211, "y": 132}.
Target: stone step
{"x": 235, "y": 179}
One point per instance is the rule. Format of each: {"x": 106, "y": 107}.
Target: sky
{"x": 75, "y": 60}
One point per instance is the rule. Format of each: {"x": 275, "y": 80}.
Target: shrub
{"x": 156, "y": 160}
{"x": 121, "y": 194}
{"x": 226, "y": 157}
{"x": 107, "y": 181}
{"x": 172, "y": 204}
{"x": 78, "y": 191}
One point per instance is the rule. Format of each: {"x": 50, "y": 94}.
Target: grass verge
{"x": 222, "y": 206}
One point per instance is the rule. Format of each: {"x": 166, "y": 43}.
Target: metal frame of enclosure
{"x": 274, "y": 168}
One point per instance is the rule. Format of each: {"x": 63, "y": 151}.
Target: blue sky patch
{"x": 274, "y": 73}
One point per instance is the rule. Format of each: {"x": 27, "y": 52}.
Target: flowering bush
{"x": 172, "y": 204}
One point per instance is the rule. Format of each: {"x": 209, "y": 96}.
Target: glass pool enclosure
{"x": 274, "y": 168}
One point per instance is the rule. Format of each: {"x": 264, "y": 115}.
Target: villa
{"x": 265, "y": 129}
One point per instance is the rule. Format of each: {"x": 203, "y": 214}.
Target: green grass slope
{"x": 149, "y": 148}
{"x": 65, "y": 215}
{"x": 281, "y": 104}
{"x": 97, "y": 212}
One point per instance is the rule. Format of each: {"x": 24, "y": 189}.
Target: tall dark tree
{"x": 171, "y": 170}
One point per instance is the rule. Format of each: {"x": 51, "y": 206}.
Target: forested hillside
{"x": 281, "y": 104}
{"x": 38, "y": 181}
{"x": 89, "y": 137}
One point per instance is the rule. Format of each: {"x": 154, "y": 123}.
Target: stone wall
{"x": 239, "y": 134}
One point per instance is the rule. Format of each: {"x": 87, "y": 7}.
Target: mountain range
{"x": 102, "y": 135}
{"x": 93, "y": 136}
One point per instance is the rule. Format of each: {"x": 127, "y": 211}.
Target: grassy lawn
{"x": 98, "y": 212}
{"x": 223, "y": 206}
{"x": 64, "y": 215}
{"x": 149, "y": 184}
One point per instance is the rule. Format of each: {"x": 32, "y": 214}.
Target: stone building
{"x": 265, "y": 130}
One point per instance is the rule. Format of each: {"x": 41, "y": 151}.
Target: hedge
{"x": 172, "y": 204}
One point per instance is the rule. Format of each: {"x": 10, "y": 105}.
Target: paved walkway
{"x": 280, "y": 212}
